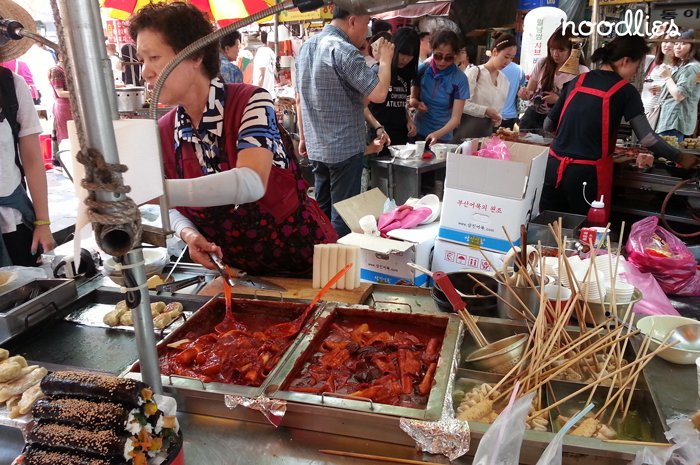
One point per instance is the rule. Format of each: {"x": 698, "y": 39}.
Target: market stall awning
{"x": 418, "y": 10}
{"x": 222, "y": 11}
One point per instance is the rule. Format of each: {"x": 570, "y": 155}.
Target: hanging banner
{"x": 538, "y": 26}
{"x": 685, "y": 15}
{"x": 322, "y": 14}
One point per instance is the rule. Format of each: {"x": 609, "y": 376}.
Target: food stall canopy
{"x": 418, "y": 10}
{"x": 222, "y": 11}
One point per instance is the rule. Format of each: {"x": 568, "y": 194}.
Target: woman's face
{"x": 404, "y": 60}
{"x": 443, "y": 56}
{"x": 667, "y": 48}
{"x": 155, "y": 53}
{"x": 627, "y": 69}
{"x": 682, "y": 50}
{"x": 504, "y": 57}
{"x": 559, "y": 55}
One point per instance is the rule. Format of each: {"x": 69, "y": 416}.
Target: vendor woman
{"x": 238, "y": 189}
{"x": 586, "y": 119}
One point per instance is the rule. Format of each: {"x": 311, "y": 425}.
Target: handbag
{"x": 472, "y": 127}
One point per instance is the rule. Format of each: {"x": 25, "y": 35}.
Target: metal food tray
{"x": 92, "y": 314}
{"x": 185, "y": 389}
{"x": 66, "y": 345}
{"x": 432, "y": 411}
{"x": 29, "y": 305}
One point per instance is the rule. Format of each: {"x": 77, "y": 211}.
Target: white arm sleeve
{"x": 232, "y": 187}
{"x": 178, "y": 222}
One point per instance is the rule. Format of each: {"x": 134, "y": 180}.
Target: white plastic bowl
{"x": 657, "y": 326}
{"x": 155, "y": 260}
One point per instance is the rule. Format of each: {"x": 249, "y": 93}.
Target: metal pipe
{"x": 97, "y": 111}
{"x": 85, "y": 45}
{"x": 594, "y": 20}
{"x": 143, "y": 322}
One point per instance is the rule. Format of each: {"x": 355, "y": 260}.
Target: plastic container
{"x": 596, "y": 214}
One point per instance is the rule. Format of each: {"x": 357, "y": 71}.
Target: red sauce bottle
{"x": 596, "y": 214}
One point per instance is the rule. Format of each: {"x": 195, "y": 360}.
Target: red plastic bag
{"x": 654, "y": 250}
{"x": 494, "y": 148}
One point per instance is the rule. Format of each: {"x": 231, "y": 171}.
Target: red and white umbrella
{"x": 221, "y": 11}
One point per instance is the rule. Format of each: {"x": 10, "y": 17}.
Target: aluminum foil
{"x": 448, "y": 436}
{"x": 273, "y": 409}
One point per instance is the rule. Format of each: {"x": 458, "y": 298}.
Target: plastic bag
{"x": 654, "y": 250}
{"x": 494, "y": 148}
{"x": 654, "y": 301}
{"x": 684, "y": 450}
{"x": 501, "y": 442}
{"x": 552, "y": 454}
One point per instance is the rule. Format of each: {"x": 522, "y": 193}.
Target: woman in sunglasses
{"x": 440, "y": 91}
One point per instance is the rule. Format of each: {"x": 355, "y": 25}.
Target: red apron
{"x": 604, "y": 165}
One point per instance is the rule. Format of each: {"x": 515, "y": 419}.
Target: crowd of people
{"x": 232, "y": 174}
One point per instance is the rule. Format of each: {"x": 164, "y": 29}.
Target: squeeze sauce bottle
{"x": 596, "y": 214}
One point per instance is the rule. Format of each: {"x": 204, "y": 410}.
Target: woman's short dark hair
{"x": 180, "y": 24}
{"x": 633, "y": 47}
{"x": 230, "y": 39}
{"x": 446, "y": 37}
{"x": 690, "y": 34}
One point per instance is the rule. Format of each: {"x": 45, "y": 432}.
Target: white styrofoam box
{"x": 483, "y": 195}
{"x": 383, "y": 260}
{"x": 449, "y": 256}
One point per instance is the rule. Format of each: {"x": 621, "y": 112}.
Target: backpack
{"x": 10, "y": 107}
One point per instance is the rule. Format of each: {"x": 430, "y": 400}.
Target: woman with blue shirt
{"x": 441, "y": 91}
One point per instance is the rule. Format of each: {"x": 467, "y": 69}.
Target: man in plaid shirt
{"x": 334, "y": 84}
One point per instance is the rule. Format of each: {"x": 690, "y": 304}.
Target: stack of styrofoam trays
{"x": 623, "y": 292}
{"x": 550, "y": 265}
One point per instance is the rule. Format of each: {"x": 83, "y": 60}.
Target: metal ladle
{"x": 686, "y": 337}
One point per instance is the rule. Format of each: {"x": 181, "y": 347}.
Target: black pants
{"x": 19, "y": 246}
{"x": 569, "y": 197}
{"x": 531, "y": 120}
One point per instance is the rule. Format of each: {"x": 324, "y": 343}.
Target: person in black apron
{"x": 586, "y": 119}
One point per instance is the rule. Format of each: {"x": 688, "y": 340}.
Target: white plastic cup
{"x": 420, "y": 147}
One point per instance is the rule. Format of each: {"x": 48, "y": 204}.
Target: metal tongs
{"x": 222, "y": 269}
{"x": 181, "y": 284}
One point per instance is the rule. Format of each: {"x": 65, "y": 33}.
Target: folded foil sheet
{"x": 273, "y": 409}
{"x": 447, "y": 436}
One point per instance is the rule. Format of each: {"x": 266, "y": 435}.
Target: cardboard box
{"x": 383, "y": 260}
{"x": 449, "y": 256}
{"x": 482, "y": 195}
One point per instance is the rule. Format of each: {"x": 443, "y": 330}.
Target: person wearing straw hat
{"x": 24, "y": 222}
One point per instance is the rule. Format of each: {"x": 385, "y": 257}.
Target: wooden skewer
{"x": 637, "y": 443}
{"x": 376, "y": 458}
{"x": 642, "y": 361}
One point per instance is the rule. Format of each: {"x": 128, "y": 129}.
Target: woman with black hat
{"x": 24, "y": 222}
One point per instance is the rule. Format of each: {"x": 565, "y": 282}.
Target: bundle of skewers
{"x": 593, "y": 356}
